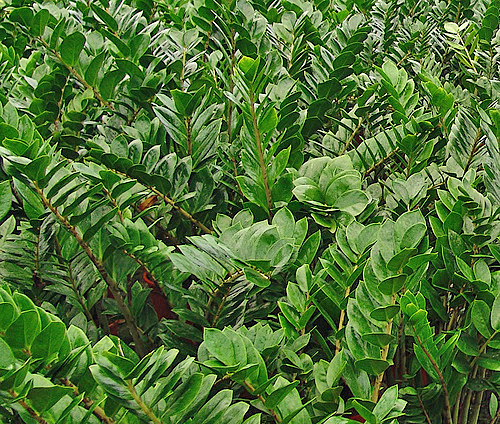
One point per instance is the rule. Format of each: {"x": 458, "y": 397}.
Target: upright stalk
{"x": 260, "y": 153}
{"x": 341, "y": 321}
{"x": 110, "y": 282}
{"x": 449, "y": 416}
{"x": 385, "y": 352}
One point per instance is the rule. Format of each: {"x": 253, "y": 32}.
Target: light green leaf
{"x": 495, "y": 314}
{"x": 386, "y": 403}
{"x": 5, "y": 198}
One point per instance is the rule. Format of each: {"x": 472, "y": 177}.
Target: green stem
{"x": 449, "y": 416}
{"x": 341, "y": 321}
{"x": 89, "y": 403}
{"x": 478, "y": 402}
{"x": 483, "y": 348}
{"x": 273, "y": 413}
{"x": 351, "y": 137}
{"x": 77, "y": 75}
{"x": 110, "y": 282}
{"x": 154, "y": 419}
{"x": 184, "y": 213}
{"x": 385, "y": 352}
{"x": 35, "y": 415}
{"x": 260, "y": 153}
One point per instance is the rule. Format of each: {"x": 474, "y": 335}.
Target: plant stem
{"x": 114, "y": 203}
{"x": 351, "y": 137}
{"x": 89, "y": 403}
{"x": 72, "y": 279}
{"x": 35, "y": 415}
{"x": 385, "y": 352}
{"x": 380, "y": 162}
{"x": 181, "y": 211}
{"x": 111, "y": 283}
{"x": 260, "y": 153}
{"x": 482, "y": 349}
{"x": 273, "y": 413}
{"x": 449, "y": 416}
{"x": 427, "y": 418}
{"x": 475, "y": 148}
{"x": 478, "y": 401}
{"x": 456, "y": 411}
{"x": 154, "y": 419}
{"x": 77, "y": 75}
{"x": 341, "y": 321}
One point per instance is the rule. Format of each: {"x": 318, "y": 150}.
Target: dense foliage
{"x": 258, "y": 211}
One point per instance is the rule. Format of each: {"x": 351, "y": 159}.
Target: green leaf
{"x": 254, "y": 419}
{"x": 309, "y": 248}
{"x": 273, "y": 400}
{"x": 5, "y": 199}
{"x": 392, "y": 72}
{"x": 480, "y": 315}
{"x": 296, "y": 297}
{"x": 109, "y": 82}
{"x": 220, "y": 346}
{"x": 71, "y": 47}
{"x": 104, "y": 17}
{"x": 378, "y": 339}
{"x": 39, "y": 22}
{"x": 352, "y": 201}
{"x": 364, "y": 412}
{"x": 384, "y": 313}
{"x": 7, "y": 315}
{"x": 23, "y": 15}
{"x": 372, "y": 366}
{"x": 400, "y": 259}
{"x": 256, "y": 278}
{"x": 393, "y": 284}
{"x": 49, "y": 340}
{"x": 6, "y": 356}
{"x": 451, "y": 27}
{"x": 386, "y": 403}
{"x": 92, "y": 71}
{"x": 235, "y": 413}
{"x": 44, "y": 398}
{"x": 99, "y": 224}
{"x": 211, "y": 412}
{"x": 183, "y": 395}
{"x": 304, "y": 277}
{"x": 122, "y": 47}
{"x": 35, "y": 170}
{"x": 269, "y": 121}
{"x": 493, "y": 405}
{"x": 492, "y": 364}
{"x": 495, "y": 314}
{"x": 335, "y": 369}
{"x": 113, "y": 385}
{"x": 63, "y": 418}
{"x": 181, "y": 100}
{"x": 23, "y": 330}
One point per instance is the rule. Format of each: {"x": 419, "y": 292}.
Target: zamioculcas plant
{"x": 244, "y": 212}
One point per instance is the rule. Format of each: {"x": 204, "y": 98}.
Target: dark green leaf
{"x": 71, "y": 47}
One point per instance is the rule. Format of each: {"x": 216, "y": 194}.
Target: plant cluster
{"x": 249, "y": 211}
